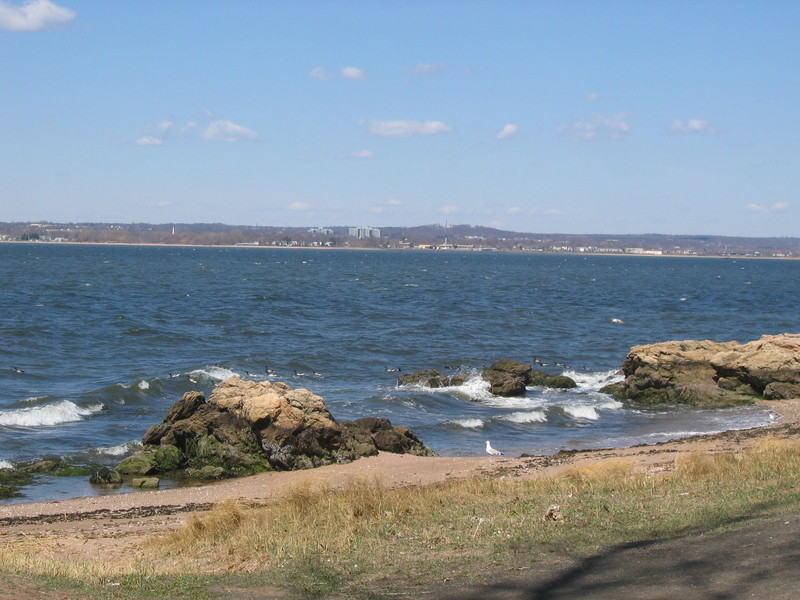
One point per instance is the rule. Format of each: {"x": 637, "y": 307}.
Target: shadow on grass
{"x": 760, "y": 559}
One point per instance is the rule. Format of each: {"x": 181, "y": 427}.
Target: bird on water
{"x": 491, "y": 451}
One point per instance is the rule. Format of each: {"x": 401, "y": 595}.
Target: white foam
{"x": 582, "y": 412}
{"x": 534, "y": 416}
{"x": 594, "y": 381}
{"x": 465, "y": 423}
{"x": 214, "y": 372}
{"x": 4, "y": 464}
{"x": 144, "y": 385}
{"x": 120, "y": 450}
{"x": 46, "y": 416}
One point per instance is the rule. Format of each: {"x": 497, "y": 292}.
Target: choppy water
{"x": 109, "y": 336}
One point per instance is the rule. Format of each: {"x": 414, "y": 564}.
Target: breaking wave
{"x": 47, "y": 416}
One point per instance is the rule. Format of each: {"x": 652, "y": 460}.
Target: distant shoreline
{"x": 351, "y": 248}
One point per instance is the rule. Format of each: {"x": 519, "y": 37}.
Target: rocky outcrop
{"x": 432, "y": 378}
{"x": 706, "y": 373}
{"x": 250, "y": 426}
{"x": 505, "y": 377}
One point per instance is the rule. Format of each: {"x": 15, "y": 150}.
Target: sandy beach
{"x": 114, "y": 523}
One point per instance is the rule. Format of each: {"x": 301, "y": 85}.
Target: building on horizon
{"x": 365, "y": 232}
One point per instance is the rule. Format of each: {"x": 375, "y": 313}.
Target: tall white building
{"x": 365, "y": 232}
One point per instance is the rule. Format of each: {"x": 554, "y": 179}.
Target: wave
{"x": 214, "y": 372}
{"x": 119, "y": 450}
{"x": 581, "y": 412}
{"x": 594, "y": 380}
{"x": 465, "y": 423}
{"x": 534, "y": 416}
{"x": 4, "y": 464}
{"x": 47, "y": 416}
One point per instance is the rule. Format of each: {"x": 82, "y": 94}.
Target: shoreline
{"x": 351, "y": 248}
{"x": 393, "y": 471}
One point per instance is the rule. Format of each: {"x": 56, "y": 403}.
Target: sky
{"x": 562, "y": 116}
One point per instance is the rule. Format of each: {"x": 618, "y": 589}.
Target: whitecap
{"x": 465, "y": 423}
{"x": 534, "y": 416}
{"x": 582, "y": 412}
{"x": 4, "y": 464}
{"x": 213, "y": 372}
{"x": 119, "y": 450}
{"x": 144, "y": 385}
{"x": 46, "y": 416}
{"x": 595, "y": 380}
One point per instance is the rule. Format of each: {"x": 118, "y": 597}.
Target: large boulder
{"x": 707, "y": 373}
{"x": 771, "y": 361}
{"x": 250, "y": 426}
{"x": 507, "y": 377}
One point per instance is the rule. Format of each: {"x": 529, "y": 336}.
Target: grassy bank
{"x": 367, "y": 541}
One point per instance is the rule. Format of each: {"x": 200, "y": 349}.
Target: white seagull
{"x": 491, "y": 451}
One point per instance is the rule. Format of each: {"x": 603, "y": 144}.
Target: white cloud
{"x": 149, "y": 140}
{"x": 377, "y": 209}
{"x": 227, "y": 131}
{"x": 407, "y": 128}
{"x": 448, "y": 210}
{"x": 354, "y": 74}
{"x": 598, "y": 127}
{"x": 362, "y": 154}
{"x": 508, "y": 131}
{"x": 428, "y": 69}
{"x": 515, "y": 210}
{"x": 692, "y": 126}
{"x": 321, "y": 74}
{"x": 299, "y": 206}
{"x": 592, "y": 97}
{"x": 777, "y": 207}
{"x": 33, "y": 15}
{"x": 394, "y": 202}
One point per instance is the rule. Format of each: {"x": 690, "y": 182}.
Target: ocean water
{"x": 109, "y": 337}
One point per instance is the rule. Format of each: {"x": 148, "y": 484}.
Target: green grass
{"x": 366, "y": 540}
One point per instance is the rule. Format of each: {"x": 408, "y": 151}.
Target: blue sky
{"x": 536, "y": 116}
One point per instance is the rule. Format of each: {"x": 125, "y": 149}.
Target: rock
{"x": 106, "y": 476}
{"x": 432, "y": 378}
{"x": 561, "y": 382}
{"x": 250, "y": 426}
{"x": 387, "y": 437}
{"x": 770, "y": 359}
{"x": 507, "y": 377}
{"x": 707, "y": 373}
{"x": 145, "y": 482}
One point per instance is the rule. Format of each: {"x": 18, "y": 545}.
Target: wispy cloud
{"x": 354, "y": 74}
{"x": 777, "y": 207}
{"x": 321, "y": 74}
{"x": 593, "y": 97}
{"x": 407, "y": 128}
{"x": 449, "y": 209}
{"x": 227, "y": 131}
{"x": 299, "y": 206}
{"x": 508, "y": 131}
{"x": 149, "y": 140}
{"x": 692, "y": 126}
{"x": 33, "y": 15}
{"x": 597, "y": 128}
{"x": 362, "y": 154}
{"x": 219, "y": 130}
{"x": 428, "y": 69}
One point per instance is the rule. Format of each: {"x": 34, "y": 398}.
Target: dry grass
{"x": 321, "y": 540}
